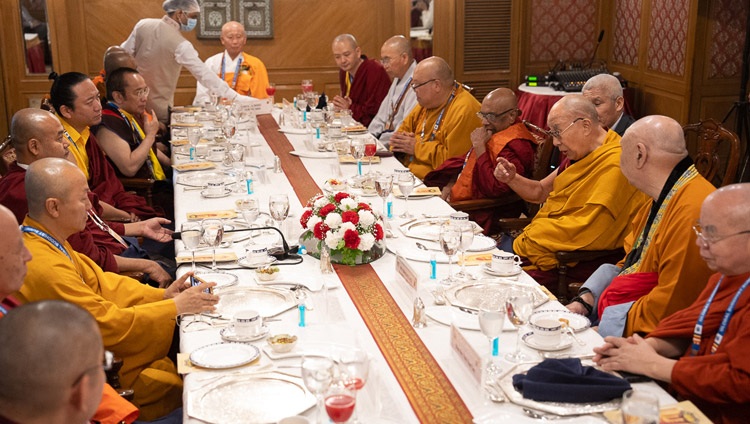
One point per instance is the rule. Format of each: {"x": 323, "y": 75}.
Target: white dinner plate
{"x": 576, "y": 322}
{"x": 207, "y": 195}
{"x": 429, "y": 229}
{"x": 224, "y": 355}
{"x": 531, "y": 340}
{"x": 488, "y": 269}
{"x": 313, "y": 155}
{"x": 203, "y": 178}
{"x": 228, "y": 335}
{"x": 222, "y": 279}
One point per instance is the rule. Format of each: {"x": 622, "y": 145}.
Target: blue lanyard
{"x": 71, "y": 140}
{"x": 49, "y": 238}
{"x": 439, "y": 120}
{"x": 236, "y": 70}
{"x": 3, "y": 311}
{"x": 698, "y": 331}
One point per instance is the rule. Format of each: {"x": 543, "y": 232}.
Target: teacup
{"x": 201, "y": 151}
{"x": 215, "y": 188}
{"x": 547, "y": 330}
{"x": 505, "y": 262}
{"x": 217, "y": 153}
{"x": 459, "y": 217}
{"x": 247, "y": 323}
{"x": 256, "y": 255}
{"x": 184, "y": 118}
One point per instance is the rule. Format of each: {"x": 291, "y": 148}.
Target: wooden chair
{"x": 7, "y": 155}
{"x": 715, "y": 141}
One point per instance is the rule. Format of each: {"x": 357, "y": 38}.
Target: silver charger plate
{"x": 202, "y": 179}
{"x": 558, "y": 408}
{"x": 429, "y": 229}
{"x": 470, "y": 295}
{"x": 576, "y": 322}
{"x": 222, "y": 279}
{"x": 224, "y": 355}
{"x": 207, "y": 195}
{"x": 268, "y": 301}
{"x": 258, "y": 398}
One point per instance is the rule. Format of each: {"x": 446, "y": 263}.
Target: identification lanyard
{"x": 395, "y": 106}
{"x": 106, "y": 228}
{"x": 46, "y": 236}
{"x": 349, "y": 82}
{"x": 439, "y": 120}
{"x": 698, "y": 331}
{"x": 136, "y": 135}
{"x": 3, "y": 311}
{"x": 236, "y": 70}
{"x": 67, "y": 135}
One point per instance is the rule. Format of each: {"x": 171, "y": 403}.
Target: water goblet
{"x": 317, "y": 374}
{"x": 518, "y": 306}
{"x": 213, "y": 232}
{"x": 237, "y": 153}
{"x": 357, "y": 150}
{"x": 370, "y": 147}
{"x": 229, "y": 128}
{"x": 271, "y": 91}
{"x": 340, "y": 402}
{"x": 467, "y": 238}
{"x": 639, "y": 408}
{"x": 278, "y": 205}
{"x": 354, "y": 367}
{"x": 191, "y": 233}
{"x": 307, "y": 85}
{"x": 450, "y": 239}
{"x": 194, "y": 137}
{"x": 250, "y": 210}
{"x": 406, "y": 185}
{"x": 384, "y": 185}
{"x": 492, "y": 318}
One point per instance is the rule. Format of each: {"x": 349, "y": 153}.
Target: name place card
{"x": 406, "y": 272}
{"x": 468, "y": 355}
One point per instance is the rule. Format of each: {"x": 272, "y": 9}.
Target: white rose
{"x": 348, "y": 204}
{"x": 366, "y": 218}
{"x": 347, "y": 226}
{"x": 320, "y": 202}
{"x": 332, "y": 239}
{"x": 366, "y": 241}
{"x": 333, "y": 220}
{"x": 313, "y": 221}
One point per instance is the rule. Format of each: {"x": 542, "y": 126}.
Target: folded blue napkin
{"x": 567, "y": 380}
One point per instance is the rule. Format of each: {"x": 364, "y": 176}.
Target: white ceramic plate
{"x": 291, "y": 130}
{"x": 228, "y": 335}
{"x": 222, "y": 279}
{"x": 224, "y": 355}
{"x": 488, "y": 269}
{"x": 207, "y": 195}
{"x": 313, "y": 155}
{"x": 202, "y": 179}
{"x": 576, "y": 322}
{"x": 530, "y": 339}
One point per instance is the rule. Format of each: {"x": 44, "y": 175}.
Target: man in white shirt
{"x": 244, "y": 73}
{"x": 396, "y": 57}
{"x": 161, "y": 52}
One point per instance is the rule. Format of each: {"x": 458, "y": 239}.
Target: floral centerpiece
{"x": 350, "y": 229}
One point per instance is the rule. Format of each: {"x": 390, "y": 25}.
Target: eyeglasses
{"x": 557, "y": 134}
{"x": 107, "y": 361}
{"x": 489, "y": 116}
{"x": 141, "y": 93}
{"x": 385, "y": 60}
{"x": 415, "y": 86}
{"x": 709, "y": 240}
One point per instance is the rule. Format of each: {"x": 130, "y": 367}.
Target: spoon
{"x": 566, "y": 327}
{"x": 423, "y": 247}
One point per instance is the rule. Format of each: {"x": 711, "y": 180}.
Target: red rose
{"x": 350, "y": 216}
{"x": 325, "y": 210}
{"x": 364, "y": 206}
{"x": 340, "y": 196}
{"x": 378, "y": 233}
{"x": 320, "y": 230}
{"x": 305, "y": 217}
{"x": 351, "y": 239}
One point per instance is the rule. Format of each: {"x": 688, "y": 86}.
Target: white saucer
{"x": 530, "y": 340}
{"x": 488, "y": 269}
{"x": 227, "y": 334}
{"x": 227, "y": 192}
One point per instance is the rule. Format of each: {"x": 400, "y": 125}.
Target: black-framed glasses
{"x": 415, "y": 86}
{"x": 557, "y": 133}
{"x": 709, "y": 240}
{"x": 106, "y": 365}
{"x": 490, "y": 116}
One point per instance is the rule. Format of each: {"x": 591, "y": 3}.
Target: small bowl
{"x": 267, "y": 273}
{"x": 282, "y": 343}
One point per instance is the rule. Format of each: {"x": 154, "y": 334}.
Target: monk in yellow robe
{"x": 136, "y": 321}
{"x": 588, "y": 203}
{"x": 440, "y": 126}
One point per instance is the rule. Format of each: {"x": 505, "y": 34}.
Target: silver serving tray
{"x": 268, "y": 301}
{"x": 257, "y": 398}
{"x": 429, "y": 229}
{"x": 470, "y": 295}
{"x": 557, "y": 408}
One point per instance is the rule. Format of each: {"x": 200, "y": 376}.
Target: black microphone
{"x": 286, "y": 252}
{"x": 598, "y": 42}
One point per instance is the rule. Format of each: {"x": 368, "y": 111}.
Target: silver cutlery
{"x": 423, "y": 247}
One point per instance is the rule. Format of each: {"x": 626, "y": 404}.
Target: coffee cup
{"x": 201, "y": 151}
{"x": 547, "y": 331}
{"x": 217, "y": 153}
{"x": 215, "y": 188}
{"x": 247, "y": 323}
{"x": 505, "y": 262}
{"x": 256, "y": 255}
{"x": 459, "y": 217}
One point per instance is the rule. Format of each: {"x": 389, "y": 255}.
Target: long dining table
{"x": 416, "y": 374}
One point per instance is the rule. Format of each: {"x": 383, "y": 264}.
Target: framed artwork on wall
{"x": 256, "y": 16}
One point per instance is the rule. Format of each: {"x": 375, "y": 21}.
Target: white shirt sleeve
{"x": 129, "y": 44}
{"x": 187, "y": 56}
{"x": 202, "y": 93}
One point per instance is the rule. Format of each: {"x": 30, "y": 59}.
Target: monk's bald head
{"x": 13, "y": 254}
{"x": 661, "y": 133}
{"x": 115, "y": 58}
{"x": 733, "y": 202}
{"x": 501, "y": 99}
{"x": 37, "y": 133}
{"x": 437, "y": 68}
{"x": 346, "y": 39}
{"x": 48, "y": 178}
{"x": 399, "y": 44}
{"x": 47, "y": 349}
{"x": 499, "y": 110}
{"x": 574, "y": 106}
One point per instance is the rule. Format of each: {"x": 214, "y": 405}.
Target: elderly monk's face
{"x": 725, "y": 245}
{"x": 52, "y": 142}
{"x": 607, "y": 108}
{"x": 347, "y": 56}
{"x": 428, "y": 90}
{"x": 233, "y": 39}
{"x": 393, "y": 61}
{"x": 75, "y": 202}
{"x": 568, "y": 135}
{"x": 135, "y": 94}
{"x": 497, "y": 115}
{"x": 13, "y": 255}
{"x": 87, "y": 108}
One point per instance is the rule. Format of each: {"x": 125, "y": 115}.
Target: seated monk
{"x": 501, "y": 135}
{"x": 662, "y": 272}
{"x": 137, "y": 322}
{"x": 440, "y": 126}
{"x": 114, "y": 58}
{"x": 703, "y": 351}
{"x": 588, "y": 203}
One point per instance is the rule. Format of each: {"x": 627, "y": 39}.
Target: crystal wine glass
{"x": 317, "y": 374}
{"x": 357, "y": 149}
{"x": 370, "y": 147}
{"x": 340, "y": 402}
{"x": 278, "y": 205}
{"x": 518, "y": 305}
{"x": 491, "y": 319}
{"x": 229, "y": 128}
{"x": 450, "y": 239}
{"x": 467, "y": 238}
{"x": 406, "y": 185}
{"x": 194, "y": 138}
{"x": 191, "y": 233}
{"x": 354, "y": 367}
{"x": 384, "y": 185}
{"x": 271, "y": 91}
{"x": 213, "y": 232}
{"x": 250, "y": 211}
{"x": 307, "y": 85}
{"x": 237, "y": 153}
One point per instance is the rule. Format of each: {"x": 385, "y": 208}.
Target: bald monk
{"x": 38, "y": 134}
{"x": 440, "y": 126}
{"x": 588, "y": 203}
{"x": 364, "y": 83}
{"x": 136, "y": 321}
{"x": 114, "y": 58}
{"x": 244, "y": 73}
{"x": 662, "y": 272}
{"x": 689, "y": 350}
